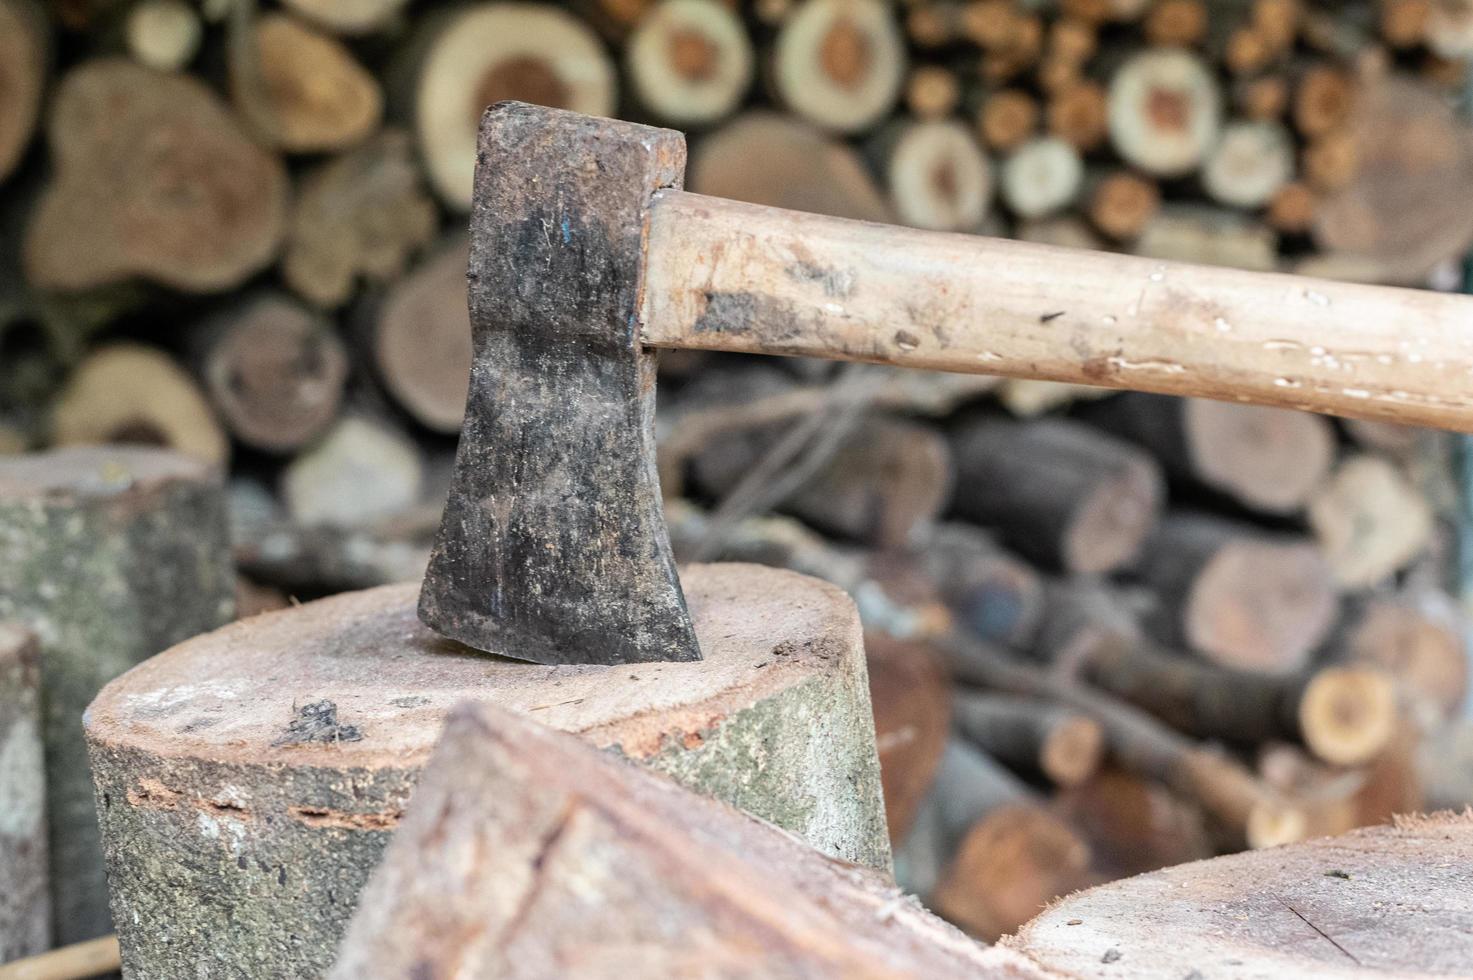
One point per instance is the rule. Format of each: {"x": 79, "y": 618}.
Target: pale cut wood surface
{"x": 728, "y": 276}
{"x": 1382, "y": 902}
{"x": 527, "y": 854}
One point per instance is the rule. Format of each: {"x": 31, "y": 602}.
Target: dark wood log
{"x": 889, "y": 478}
{"x": 1337, "y": 907}
{"x": 361, "y": 215}
{"x": 127, "y": 393}
{"x": 25, "y": 50}
{"x": 274, "y": 371}
{"x": 421, "y": 338}
{"x": 111, "y": 555}
{"x": 1236, "y": 595}
{"x": 1243, "y": 806}
{"x": 581, "y": 864}
{"x": 911, "y": 697}
{"x": 1061, "y": 493}
{"x": 25, "y": 881}
{"x": 1032, "y": 736}
{"x": 991, "y": 593}
{"x": 1134, "y": 824}
{"x": 300, "y": 753}
{"x": 124, "y": 140}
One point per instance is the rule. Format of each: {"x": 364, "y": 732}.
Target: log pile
{"x": 1106, "y": 634}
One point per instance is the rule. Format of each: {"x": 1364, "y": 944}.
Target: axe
{"x": 586, "y": 256}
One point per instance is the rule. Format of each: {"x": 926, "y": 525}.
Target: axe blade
{"x": 553, "y": 547}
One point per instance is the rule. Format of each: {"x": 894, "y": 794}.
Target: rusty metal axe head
{"x": 553, "y": 546}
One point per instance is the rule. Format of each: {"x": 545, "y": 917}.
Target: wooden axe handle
{"x": 721, "y": 275}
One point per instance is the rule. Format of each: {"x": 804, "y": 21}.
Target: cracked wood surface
{"x": 1384, "y": 901}
{"x": 526, "y": 854}
{"x": 249, "y": 779}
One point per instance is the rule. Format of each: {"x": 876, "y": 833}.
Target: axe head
{"x": 553, "y": 546}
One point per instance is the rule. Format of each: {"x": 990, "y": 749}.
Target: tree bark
{"x": 25, "y": 881}
{"x": 110, "y": 555}
{"x": 911, "y": 697}
{"x": 991, "y": 593}
{"x": 241, "y": 824}
{"x": 25, "y": 49}
{"x": 1033, "y": 736}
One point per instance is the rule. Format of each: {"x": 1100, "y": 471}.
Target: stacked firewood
{"x": 1128, "y": 633}
{"x": 1106, "y": 633}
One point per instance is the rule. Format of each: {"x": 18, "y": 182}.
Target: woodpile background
{"x": 1107, "y": 634}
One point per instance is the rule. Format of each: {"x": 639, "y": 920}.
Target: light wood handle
{"x": 90, "y": 959}
{"x": 722, "y": 275}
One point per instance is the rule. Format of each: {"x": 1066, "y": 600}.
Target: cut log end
{"x": 840, "y": 64}
{"x": 1073, "y": 751}
{"x": 163, "y": 34}
{"x": 1249, "y": 164}
{"x": 1214, "y": 916}
{"x": 353, "y": 689}
{"x": 690, "y": 61}
{"x": 24, "y": 48}
{"x": 1269, "y": 459}
{"x": 496, "y": 52}
{"x": 422, "y": 344}
{"x": 1042, "y": 177}
{"x": 1347, "y": 715}
{"x": 1123, "y": 204}
{"x": 1111, "y": 524}
{"x": 1369, "y": 520}
{"x": 938, "y": 177}
{"x": 1164, "y": 111}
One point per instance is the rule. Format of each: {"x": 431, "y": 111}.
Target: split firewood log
{"x": 163, "y": 34}
{"x": 586, "y": 863}
{"x": 839, "y": 64}
{"x": 274, "y": 371}
{"x": 1349, "y": 906}
{"x": 359, "y": 215}
{"x": 1251, "y": 162}
{"x": 126, "y": 140}
{"x": 1246, "y": 809}
{"x": 128, "y": 393}
{"x": 110, "y": 555}
{"x": 25, "y": 880}
{"x": 1133, "y": 824}
{"x": 1041, "y": 177}
{"x": 421, "y": 338}
{"x": 1164, "y": 111}
{"x": 1060, "y": 492}
{"x": 1270, "y": 460}
{"x": 485, "y": 53}
{"x": 690, "y": 62}
{"x": 1370, "y": 521}
{"x": 25, "y": 50}
{"x": 361, "y": 469}
{"x": 1237, "y": 595}
{"x": 992, "y": 593}
{"x": 1008, "y": 857}
{"x": 1032, "y": 736}
{"x": 911, "y": 697}
{"x": 766, "y": 158}
{"x": 937, "y": 175}
{"x": 300, "y": 90}
{"x": 1344, "y": 715}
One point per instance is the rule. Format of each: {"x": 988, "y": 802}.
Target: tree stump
{"x": 25, "y": 902}
{"x": 109, "y": 555}
{"x": 1390, "y": 901}
{"x": 249, "y": 780}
